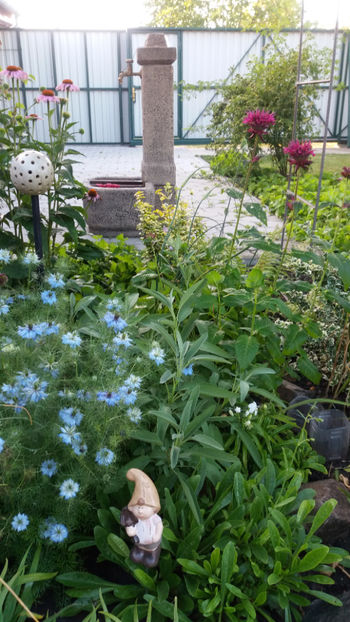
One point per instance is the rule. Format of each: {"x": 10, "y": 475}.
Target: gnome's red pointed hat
{"x": 145, "y": 492}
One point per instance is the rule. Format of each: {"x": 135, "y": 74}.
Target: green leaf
{"x": 273, "y": 533}
{"x": 207, "y": 441}
{"x": 321, "y": 516}
{"x": 239, "y": 488}
{"x": 83, "y": 580}
{"x": 304, "y": 510}
{"x": 228, "y": 562}
{"x": 312, "y": 559}
{"x": 332, "y": 600}
{"x": 255, "y": 279}
{"x": 212, "y": 390}
{"x": 118, "y": 545}
{"x": 309, "y": 370}
{"x": 192, "y": 567}
{"x": 233, "y": 193}
{"x": 250, "y": 445}
{"x": 246, "y": 349}
{"x": 145, "y": 580}
{"x": 257, "y": 210}
{"x": 342, "y": 264}
{"x": 191, "y": 499}
{"x": 235, "y": 590}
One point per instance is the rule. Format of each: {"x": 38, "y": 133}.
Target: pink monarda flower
{"x": 12, "y": 71}
{"x": 259, "y": 122}
{"x": 67, "y": 85}
{"x": 33, "y": 117}
{"x": 92, "y": 195}
{"x": 346, "y": 172}
{"x": 47, "y": 95}
{"x": 299, "y": 153}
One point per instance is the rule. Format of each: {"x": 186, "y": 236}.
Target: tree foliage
{"x": 246, "y": 14}
{"x": 269, "y": 84}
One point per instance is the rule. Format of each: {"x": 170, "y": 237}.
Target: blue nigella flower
{"x": 122, "y": 339}
{"x": 5, "y": 255}
{"x": 105, "y": 456}
{"x": 4, "y": 308}
{"x": 57, "y": 532}
{"x": 48, "y": 328}
{"x": 69, "y": 489}
{"x": 29, "y": 331}
{"x": 70, "y": 417}
{"x": 156, "y": 354}
{"x": 133, "y": 382}
{"x": 21, "y": 297}
{"x": 69, "y": 435}
{"x": 55, "y": 281}
{"x": 71, "y": 339}
{"x": 79, "y": 449}
{"x": 134, "y": 414}
{"x": 109, "y": 397}
{"x": 188, "y": 371}
{"x": 30, "y": 258}
{"x": 2, "y": 443}
{"x": 48, "y": 467}
{"x": 114, "y": 304}
{"x": 127, "y": 395}
{"x": 20, "y": 522}
{"x": 84, "y": 395}
{"x": 36, "y": 392}
{"x": 48, "y": 297}
{"x": 114, "y": 320}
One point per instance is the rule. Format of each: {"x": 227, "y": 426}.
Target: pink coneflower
{"x": 12, "y": 71}
{"x": 93, "y": 195}
{"x": 299, "y": 153}
{"x": 259, "y": 122}
{"x": 346, "y": 172}
{"x": 33, "y": 117}
{"x": 67, "y": 85}
{"x": 47, "y": 95}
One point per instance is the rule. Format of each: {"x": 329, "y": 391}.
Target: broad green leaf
{"x": 304, "y": 510}
{"x": 273, "y": 533}
{"x": 207, "y": 441}
{"x": 309, "y": 370}
{"x": 118, "y": 545}
{"x": 332, "y": 600}
{"x": 233, "y": 193}
{"x": 212, "y": 390}
{"x": 192, "y": 567}
{"x": 228, "y": 562}
{"x": 191, "y": 499}
{"x": 239, "y": 489}
{"x": 83, "y": 580}
{"x": 257, "y": 210}
{"x": 246, "y": 349}
{"x": 144, "y": 579}
{"x": 342, "y": 264}
{"x": 254, "y": 279}
{"x": 312, "y": 559}
{"x": 322, "y": 514}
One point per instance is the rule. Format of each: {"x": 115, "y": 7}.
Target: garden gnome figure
{"x": 141, "y": 520}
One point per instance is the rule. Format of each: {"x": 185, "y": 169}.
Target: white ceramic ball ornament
{"x": 31, "y": 172}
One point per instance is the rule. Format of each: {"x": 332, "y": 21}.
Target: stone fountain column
{"x": 156, "y": 59}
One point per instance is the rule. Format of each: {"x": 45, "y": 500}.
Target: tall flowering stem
{"x": 258, "y": 123}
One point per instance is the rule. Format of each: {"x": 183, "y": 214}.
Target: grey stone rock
{"x": 337, "y": 526}
{"x": 322, "y": 612}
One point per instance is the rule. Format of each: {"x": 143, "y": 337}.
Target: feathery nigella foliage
{"x": 299, "y": 154}
{"x": 259, "y": 122}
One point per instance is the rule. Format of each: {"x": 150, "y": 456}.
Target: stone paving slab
{"x": 125, "y": 161}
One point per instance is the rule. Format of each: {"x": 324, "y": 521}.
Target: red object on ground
{"x": 107, "y": 185}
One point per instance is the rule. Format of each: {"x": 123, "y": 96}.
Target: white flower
{"x": 252, "y": 409}
{"x": 30, "y": 258}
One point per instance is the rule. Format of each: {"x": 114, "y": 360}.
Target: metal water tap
{"x": 128, "y": 71}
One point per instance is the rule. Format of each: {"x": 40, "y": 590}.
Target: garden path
{"x": 125, "y": 161}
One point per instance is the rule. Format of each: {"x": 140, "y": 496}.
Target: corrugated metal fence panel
{"x": 102, "y": 107}
{"x": 211, "y": 57}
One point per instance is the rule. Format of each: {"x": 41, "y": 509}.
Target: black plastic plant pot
{"x": 299, "y": 413}
{"x": 329, "y": 431}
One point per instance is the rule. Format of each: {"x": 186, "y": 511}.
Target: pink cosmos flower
{"x": 47, "y": 95}
{"x": 12, "y": 71}
{"x": 67, "y": 85}
{"x": 346, "y": 172}
{"x": 92, "y": 195}
{"x": 259, "y": 122}
{"x": 299, "y": 153}
{"x": 33, "y": 117}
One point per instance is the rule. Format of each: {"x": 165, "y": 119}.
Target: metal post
{"x": 326, "y": 126}
{"x": 37, "y": 226}
{"x": 295, "y": 113}
{"x": 348, "y": 141}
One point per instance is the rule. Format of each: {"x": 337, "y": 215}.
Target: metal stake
{"x": 37, "y": 226}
